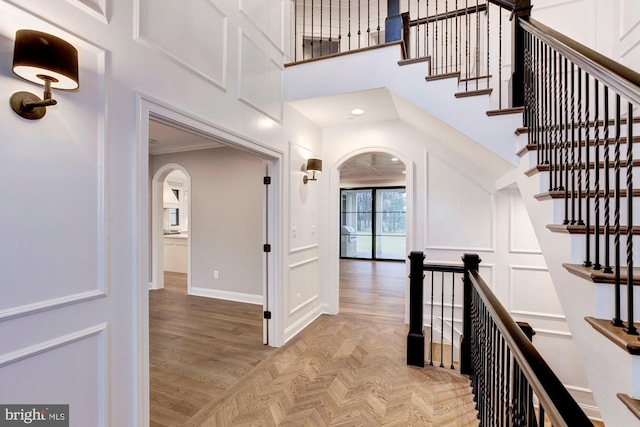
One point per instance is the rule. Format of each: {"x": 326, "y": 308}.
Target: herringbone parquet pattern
{"x": 344, "y": 372}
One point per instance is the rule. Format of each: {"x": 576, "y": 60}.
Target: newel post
{"x": 471, "y": 263}
{"x": 415, "y": 339}
{"x": 522, "y": 10}
{"x": 396, "y": 25}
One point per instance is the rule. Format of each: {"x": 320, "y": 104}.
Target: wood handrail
{"x": 623, "y": 80}
{"x": 558, "y": 404}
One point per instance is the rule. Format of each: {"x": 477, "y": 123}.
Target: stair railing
{"x": 512, "y": 384}
{"x": 457, "y": 37}
{"x": 579, "y": 111}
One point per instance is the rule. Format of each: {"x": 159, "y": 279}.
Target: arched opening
{"x": 170, "y": 224}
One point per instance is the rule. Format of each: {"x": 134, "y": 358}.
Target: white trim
{"x": 149, "y": 107}
{"x": 302, "y": 323}
{"x": 277, "y": 44}
{"x": 538, "y": 314}
{"x": 227, "y": 295}
{"x": 304, "y": 304}
{"x": 303, "y": 248}
{"x": 306, "y": 261}
{"x": 459, "y": 249}
{"x": 99, "y": 13}
{"x": 50, "y": 303}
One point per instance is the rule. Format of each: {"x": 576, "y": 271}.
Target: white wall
{"x": 73, "y": 319}
{"x": 227, "y": 221}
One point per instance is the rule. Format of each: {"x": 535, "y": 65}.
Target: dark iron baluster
{"x": 573, "y": 147}
{"x": 295, "y": 29}
{"x": 509, "y": 391}
{"x": 426, "y": 33}
{"x": 453, "y": 294}
{"x": 442, "y": 320}
{"x": 359, "y": 23}
{"x": 312, "y": 30}
{"x": 477, "y": 52}
{"x": 458, "y": 54}
{"x": 488, "y": 50}
{"x": 304, "y": 26}
{"x": 369, "y": 23}
{"x": 339, "y": 25}
{"x": 349, "y": 26}
{"x": 596, "y": 175}
{"x": 565, "y": 143}
{"x": 607, "y": 186}
{"x": 553, "y": 140}
{"x": 418, "y": 30}
{"x": 499, "y": 58}
{"x": 378, "y": 29}
{"x": 431, "y": 324}
{"x": 581, "y": 168}
{"x": 630, "y": 328}
{"x": 320, "y": 32}
{"x": 446, "y": 37}
{"x": 468, "y": 40}
{"x": 616, "y": 218}
{"x": 587, "y": 202}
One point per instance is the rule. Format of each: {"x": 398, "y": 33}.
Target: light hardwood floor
{"x": 209, "y": 367}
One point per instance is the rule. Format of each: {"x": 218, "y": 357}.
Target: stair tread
{"x": 505, "y": 111}
{"x": 598, "y": 276}
{"x": 631, "y": 403}
{"x": 581, "y": 229}
{"x": 629, "y": 343}
{"x": 435, "y": 77}
{"x": 469, "y": 93}
{"x": 560, "y": 194}
{"x": 414, "y": 60}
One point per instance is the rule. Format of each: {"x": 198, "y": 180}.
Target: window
{"x": 174, "y": 216}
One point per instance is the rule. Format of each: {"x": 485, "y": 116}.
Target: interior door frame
{"x": 148, "y": 107}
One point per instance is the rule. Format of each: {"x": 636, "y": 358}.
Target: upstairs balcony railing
{"x": 473, "y": 39}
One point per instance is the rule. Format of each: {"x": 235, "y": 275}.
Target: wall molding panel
{"x": 190, "y": 20}
{"x": 260, "y": 78}
{"x": 261, "y": 14}
{"x": 303, "y": 290}
{"x": 95, "y": 8}
{"x": 73, "y": 242}
{"x": 522, "y": 238}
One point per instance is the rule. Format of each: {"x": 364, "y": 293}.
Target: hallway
{"x": 343, "y": 370}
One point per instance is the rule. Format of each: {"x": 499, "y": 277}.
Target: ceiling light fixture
{"x": 357, "y": 111}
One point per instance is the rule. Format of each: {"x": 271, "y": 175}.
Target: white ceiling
{"x": 165, "y": 139}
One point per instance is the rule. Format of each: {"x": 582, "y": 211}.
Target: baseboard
{"x": 302, "y": 323}
{"x": 227, "y": 295}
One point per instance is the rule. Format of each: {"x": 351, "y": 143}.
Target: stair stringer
{"x": 378, "y": 68}
{"x": 608, "y": 368}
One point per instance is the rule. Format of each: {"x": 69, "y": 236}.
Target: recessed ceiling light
{"x": 357, "y": 111}
{"x": 404, "y": 172}
{"x": 394, "y": 159}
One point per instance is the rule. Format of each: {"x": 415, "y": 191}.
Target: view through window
{"x": 373, "y": 223}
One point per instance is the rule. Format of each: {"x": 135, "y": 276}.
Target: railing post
{"x": 471, "y": 263}
{"x": 522, "y": 10}
{"x": 396, "y": 25}
{"x": 415, "y": 339}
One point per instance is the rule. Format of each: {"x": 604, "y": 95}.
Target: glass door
{"x": 373, "y": 223}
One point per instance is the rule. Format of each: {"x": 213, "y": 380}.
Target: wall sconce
{"x": 313, "y": 165}
{"x": 46, "y": 60}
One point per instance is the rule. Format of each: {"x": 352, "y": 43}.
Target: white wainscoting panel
{"x": 52, "y": 262}
{"x": 303, "y": 285}
{"x": 95, "y": 8}
{"x": 460, "y": 214}
{"x": 259, "y": 78}
{"x": 206, "y": 57}
{"x": 82, "y": 353}
{"x": 628, "y": 44}
{"x": 522, "y": 237}
{"x": 268, "y": 17}
{"x": 531, "y": 292}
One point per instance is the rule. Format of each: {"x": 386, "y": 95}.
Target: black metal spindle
{"x": 442, "y": 320}
{"x": 431, "y": 325}
{"x": 607, "y": 186}
{"x": 359, "y": 23}
{"x": 596, "y": 175}
{"x": 573, "y": 146}
{"x": 565, "y": 142}
{"x": 616, "y": 215}
{"x": 349, "y": 26}
{"x": 312, "y": 29}
{"x": 477, "y": 52}
{"x": 499, "y": 58}
{"x": 488, "y": 71}
{"x": 587, "y": 202}
{"x": 453, "y": 298}
{"x": 581, "y": 169}
{"x": 630, "y": 328}
{"x": 378, "y": 28}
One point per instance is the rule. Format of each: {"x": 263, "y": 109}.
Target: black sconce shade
{"x": 313, "y": 165}
{"x": 39, "y": 56}
{"x": 42, "y": 59}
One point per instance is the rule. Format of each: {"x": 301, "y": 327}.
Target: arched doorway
{"x": 170, "y": 223}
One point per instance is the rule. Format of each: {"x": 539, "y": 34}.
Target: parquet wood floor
{"x": 344, "y": 370}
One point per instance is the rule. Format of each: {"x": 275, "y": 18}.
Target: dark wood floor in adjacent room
{"x": 210, "y": 368}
